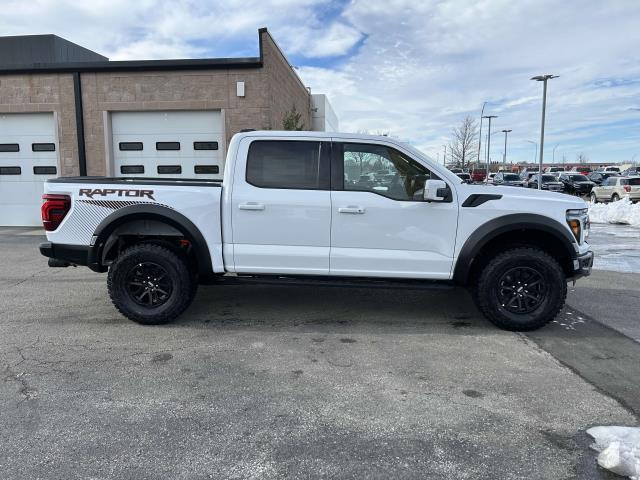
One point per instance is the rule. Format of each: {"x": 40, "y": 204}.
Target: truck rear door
{"x": 281, "y": 206}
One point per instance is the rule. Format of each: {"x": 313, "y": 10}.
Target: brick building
{"x": 65, "y": 110}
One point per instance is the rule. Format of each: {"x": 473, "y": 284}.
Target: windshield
{"x": 578, "y": 178}
{"x": 511, "y": 177}
{"x": 548, "y": 178}
{"x": 463, "y": 175}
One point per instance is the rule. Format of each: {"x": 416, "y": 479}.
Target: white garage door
{"x": 27, "y": 158}
{"x": 183, "y": 144}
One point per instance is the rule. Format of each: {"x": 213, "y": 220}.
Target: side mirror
{"x": 436, "y": 191}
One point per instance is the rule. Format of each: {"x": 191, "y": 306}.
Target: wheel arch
{"x": 147, "y": 220}
{"x": 515, "y": 230}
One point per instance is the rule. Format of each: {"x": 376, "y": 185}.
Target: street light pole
{"x": 504, "y": 157}
{"x": 554, "y": 152}
{"x": 536, "y": 154}
{"x": 480, "y": 134}
{"x": 489, "y": 143}
{"x": 444, "y": 159}
{"x": 544, "y": 79}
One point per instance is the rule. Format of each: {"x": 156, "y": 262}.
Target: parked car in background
{"x": 582, "y": 169}
{"x": 599, "y": 177}
{"x": 615, "y": 188}
{"x": 526, "y": 176}
{"x": 548, "y": 182}
{"x": 508, "y": 179}
{"x": 631, "y": 172}
{"x": 478, "y": 175}
{"x": 576, "y": 183}
{"x": 608, "y": 169}
{"x": 465, "y": 177}
{"x": 492, "y": 175}
{"x": 553, "y": 169}
{"x": 456, "y": 170}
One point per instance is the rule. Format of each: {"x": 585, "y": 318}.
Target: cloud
{"x": 430, "y": 63}
{"x": 414, "y": 69}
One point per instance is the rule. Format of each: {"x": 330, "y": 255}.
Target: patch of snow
{"x": 619, "y": 449}
{"x": 621, "y": 212}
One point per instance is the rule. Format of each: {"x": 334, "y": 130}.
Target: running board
{"x": 324, "y": 281}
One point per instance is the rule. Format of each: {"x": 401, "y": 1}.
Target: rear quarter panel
{"x": 200, "y": 204}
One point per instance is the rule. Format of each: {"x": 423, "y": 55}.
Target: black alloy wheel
{"x": 521, "y": 290}
{"x": 148, "y": 284}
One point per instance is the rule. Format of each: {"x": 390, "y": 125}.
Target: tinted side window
{"x": 287, "y": 164}
{"x": 383, "y": 170}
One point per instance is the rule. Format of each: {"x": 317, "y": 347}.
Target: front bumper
{"x": 582, "y": 265}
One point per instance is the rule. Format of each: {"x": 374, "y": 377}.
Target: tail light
{"x": 54, "y": 209}
{"x": 627, "y": 188}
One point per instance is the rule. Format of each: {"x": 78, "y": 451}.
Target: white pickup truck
{"x": 325, "y": 209}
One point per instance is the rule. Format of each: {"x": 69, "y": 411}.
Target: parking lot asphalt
{"x": 275, "y": 382}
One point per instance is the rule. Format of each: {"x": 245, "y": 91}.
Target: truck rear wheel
{"x": 150, "y": 284}
{"x": 521, "y": 289}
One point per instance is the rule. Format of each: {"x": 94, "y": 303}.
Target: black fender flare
{"x": 149, "y": 212}
{"x": 509, "y": 223}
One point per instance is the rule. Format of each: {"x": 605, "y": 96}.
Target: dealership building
{"x": 66, "y": 110}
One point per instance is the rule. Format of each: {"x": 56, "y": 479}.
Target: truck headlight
{"x": 578, "y": 221}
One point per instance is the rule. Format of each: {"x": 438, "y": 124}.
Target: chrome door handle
{"x": 251, "y": 206}
{"x": 351, "y": 209}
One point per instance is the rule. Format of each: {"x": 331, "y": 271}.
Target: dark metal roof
{"x": 41, "y": 49}
{"x": 102, "y": 64}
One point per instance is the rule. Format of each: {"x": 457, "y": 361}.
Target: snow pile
{"x": 619, "y": 449}
{"x": 622, "y": 211}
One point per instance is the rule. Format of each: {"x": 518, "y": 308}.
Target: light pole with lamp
{"x": 480, "y": 134}
{"x": 544, "y": 79}
{"x": 488, "y": 142}
{"x": 554, "y": 152}
{"x": 536, "y": 154}
{"x": 444, "y": 159}
{"x": 504, "y": 156}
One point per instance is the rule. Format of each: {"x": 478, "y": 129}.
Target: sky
{"x": 412, "y": 69}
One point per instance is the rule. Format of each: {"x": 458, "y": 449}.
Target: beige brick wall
{"x": 285, "y": 87}
{"x": 45, "y": 93}
{"x": 270, "y": 92}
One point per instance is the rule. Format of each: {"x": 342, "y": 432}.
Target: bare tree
{"x": 464, "y": 142}
{"x": 582, "y": 158}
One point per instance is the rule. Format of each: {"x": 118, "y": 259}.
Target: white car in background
{"x": 615, "y": 188}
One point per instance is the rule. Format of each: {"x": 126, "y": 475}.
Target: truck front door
{"x": 281, "y": 206}
{"x": 383, "y": 227}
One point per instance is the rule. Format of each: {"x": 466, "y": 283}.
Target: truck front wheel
{"x": 521, "y": 289}
{"x": 150, "y": 284}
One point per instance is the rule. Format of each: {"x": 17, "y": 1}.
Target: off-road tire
{"x": 488, "y": 289}
{"x": 182, "y": 282}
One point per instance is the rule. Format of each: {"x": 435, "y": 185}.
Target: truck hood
{"x": 527, "y": 195}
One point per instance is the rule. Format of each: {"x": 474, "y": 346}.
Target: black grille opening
{"x": 169, "y": 169}
{"x": 47, "y": 170}
{"x": 130, "y": 146}
{"x": 132, "y": 169}
{"x": 206, "y": 169}
{"x": 43, "y": 147}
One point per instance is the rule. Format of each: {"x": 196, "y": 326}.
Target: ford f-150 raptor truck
{"x": 325, "y": 209}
